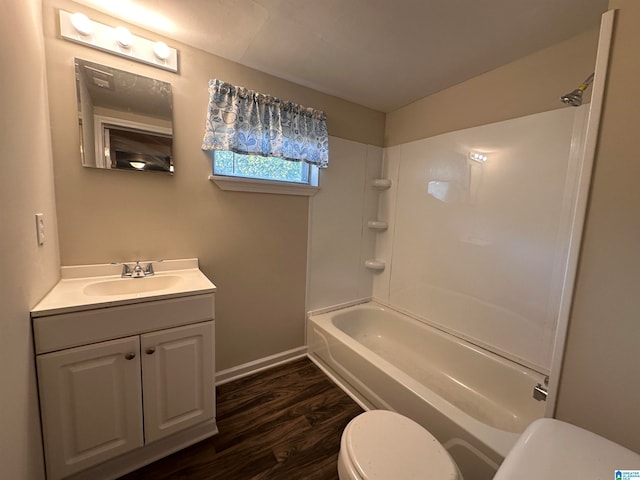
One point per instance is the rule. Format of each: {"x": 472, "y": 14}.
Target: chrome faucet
{"x": 539, "y": 392}
{"x": 148, "y": 270}
{"x": 137, "y": 270}
{"x": 126, "y": 269}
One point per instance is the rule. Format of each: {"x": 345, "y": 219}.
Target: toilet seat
{"x": 381, "y": 444}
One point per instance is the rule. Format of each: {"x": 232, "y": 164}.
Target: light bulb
{"x": 137, "y": 165}
{"x": 82, "y": 24}
{"x": 124, "y": 37}
{"x": 161, "y": 50}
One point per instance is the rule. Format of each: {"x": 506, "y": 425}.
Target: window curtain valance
{"x": 247, "y": 122}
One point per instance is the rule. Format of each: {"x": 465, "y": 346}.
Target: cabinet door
{"x": 91, "y": 404}
{"x": 177, "y": 379}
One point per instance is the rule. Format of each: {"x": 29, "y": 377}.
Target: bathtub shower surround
{"x": 479, "y": 224}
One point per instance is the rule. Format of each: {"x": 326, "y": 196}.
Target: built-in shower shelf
{"x": 377, "y": 225}
{"x": 381, "y": 183}
{"x": 375, "y": 265}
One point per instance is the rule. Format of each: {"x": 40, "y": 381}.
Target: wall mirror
{"x": 124, "y": 119}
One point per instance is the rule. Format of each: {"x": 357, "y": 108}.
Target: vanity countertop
{"x": 88, "y": 287}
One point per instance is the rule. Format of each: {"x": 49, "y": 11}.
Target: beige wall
{"x": 253, "y": 246}
{"x": 532, "y": 84}
{"x": 600, "y": 383}
{"x": 28, "y": 271}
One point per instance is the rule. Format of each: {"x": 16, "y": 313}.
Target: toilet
{"x": 384, "y": 445}
{"x": 556, "y": 450}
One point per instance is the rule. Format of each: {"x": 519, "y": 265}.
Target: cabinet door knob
{"x": 130, "y": 356}
{"x": 150, "y": 350}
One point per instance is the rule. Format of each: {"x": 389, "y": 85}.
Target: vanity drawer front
{"x": 57, "y": 332}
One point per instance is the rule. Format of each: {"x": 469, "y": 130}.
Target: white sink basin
{"x": 125, "y": 286}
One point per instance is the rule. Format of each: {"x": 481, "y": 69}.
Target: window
{"x": 255, "y": 173}
{"x": 263, "y": 168}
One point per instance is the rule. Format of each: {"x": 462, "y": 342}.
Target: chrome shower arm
{"x": 575, "y": 98}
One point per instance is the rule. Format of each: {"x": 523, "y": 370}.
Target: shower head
{"x": 575, "y": 98}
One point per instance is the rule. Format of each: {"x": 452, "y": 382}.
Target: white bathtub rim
{"x": 340, "y": 306}
{"x": 500, "y": 441}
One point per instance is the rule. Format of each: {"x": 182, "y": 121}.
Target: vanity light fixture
{"x": 478, "y": 157}
{"x": 78, "y": 28}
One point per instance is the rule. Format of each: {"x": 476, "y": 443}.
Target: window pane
{"x": 256, "y": 166}
{"x": 223, "y": 163}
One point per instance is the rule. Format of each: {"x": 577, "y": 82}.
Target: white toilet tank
{"x": 556, "y": 450}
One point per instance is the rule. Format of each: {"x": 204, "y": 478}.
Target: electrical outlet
{"x": 40, "y": 228}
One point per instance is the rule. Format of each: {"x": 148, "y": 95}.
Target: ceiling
{"x": 382, "y": 54}
{"x": 118, "y": 90}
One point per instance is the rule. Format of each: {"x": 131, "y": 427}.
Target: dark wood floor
{"x": 283, "y": 423}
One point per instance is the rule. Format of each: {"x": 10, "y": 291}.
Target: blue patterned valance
{"x": 248, "y": 122}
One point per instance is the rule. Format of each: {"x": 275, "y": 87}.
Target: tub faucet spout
{"x": 539, "y": 392}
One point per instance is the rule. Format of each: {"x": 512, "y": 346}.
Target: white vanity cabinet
{"x": 92, "y": 401}
{"x": 124, "y": 383}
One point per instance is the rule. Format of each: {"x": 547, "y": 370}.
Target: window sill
{"x": 262, "y": 186}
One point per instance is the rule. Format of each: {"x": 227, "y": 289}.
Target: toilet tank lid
{"x": 382, "y": 444}
{"x": 556, "y": 450}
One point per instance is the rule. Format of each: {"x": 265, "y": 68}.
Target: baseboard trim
{"x": 255, "y": 366}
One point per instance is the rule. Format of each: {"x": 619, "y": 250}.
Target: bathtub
{"x": 474, "y": 402}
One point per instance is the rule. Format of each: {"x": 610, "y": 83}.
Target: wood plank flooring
{"x": 281, "y": 424}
